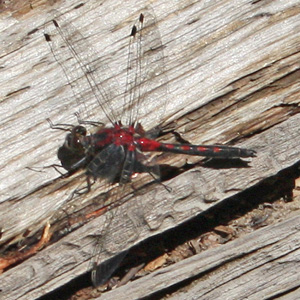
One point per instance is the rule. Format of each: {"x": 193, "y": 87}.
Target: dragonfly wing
{"x": 146, "y": 95}
{"x": 87, "y": 73}
{"x": 108, "y": 163}
{"x": 101, "y": 273}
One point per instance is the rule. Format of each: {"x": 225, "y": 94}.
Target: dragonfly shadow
{"x": 215, "y": 163}
{"x": 167, "y": 172}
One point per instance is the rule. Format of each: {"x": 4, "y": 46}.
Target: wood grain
{"x": 238, "y": 270}
{"x": 232, "y": 69}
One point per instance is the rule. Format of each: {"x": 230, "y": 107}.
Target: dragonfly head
{"x": 73, "y": 150}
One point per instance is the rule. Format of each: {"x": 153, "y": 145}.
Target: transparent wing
{"x": 92, "y": 81}
{"x": 88, "y": 75}
{"x": 108, "y": 163}
{"x": 145, "y": 93}
{"x": 102, "y": 273}
{"x": 146, "y": 88}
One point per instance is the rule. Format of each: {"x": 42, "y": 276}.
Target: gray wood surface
{"x": 242, "y": 269}
{"x": 232, "y": 69}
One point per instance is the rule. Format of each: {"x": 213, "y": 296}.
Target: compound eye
{"x": 80, "y": 130}
{"x": 68, "y": 141}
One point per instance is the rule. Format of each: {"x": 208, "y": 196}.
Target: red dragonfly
{"x": 116, "y": 152}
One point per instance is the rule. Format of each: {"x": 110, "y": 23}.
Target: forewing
{"x": 146, "y": 91}
{"x": 86, "y": 72}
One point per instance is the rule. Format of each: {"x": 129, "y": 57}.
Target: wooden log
{"x": 245, "y": 268}
{"x": 232, "y": 75}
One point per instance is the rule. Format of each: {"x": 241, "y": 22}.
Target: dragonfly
{"x": 117, "y": 152}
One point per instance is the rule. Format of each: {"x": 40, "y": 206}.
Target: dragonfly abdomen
{"x": 208, "y": 150}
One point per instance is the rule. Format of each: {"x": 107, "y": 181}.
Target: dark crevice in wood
{"x": 32, "y": 31}
{"x": 66, "y": 292}
{"x": 267, "y": 192}
{"x": 18, "y": 91}
{"x": 286, "y": 292}
{"x": 79, "y": 5}
{"x": 256, "y": 1}
{"x": 291, "y": 105}
{"x": 263, "y": 15}
{"x": 287, "y": 111}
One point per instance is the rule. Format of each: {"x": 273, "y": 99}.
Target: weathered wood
{"x": 233, "y": 72}
{"x": 73, "y": 253}
{"x": 252, "y": 267}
